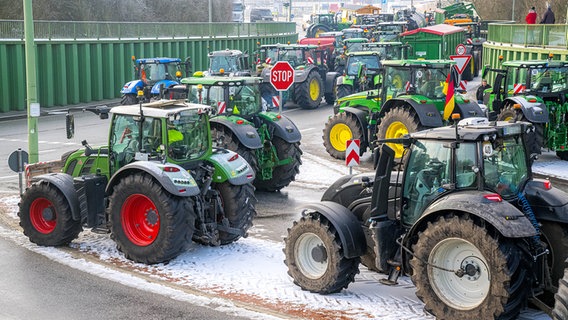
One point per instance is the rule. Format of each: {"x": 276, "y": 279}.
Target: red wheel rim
{"x": 43, "y": 215}
{"x": 140, "y": 220}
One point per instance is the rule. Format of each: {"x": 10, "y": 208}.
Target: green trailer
{"x": 436, "y": 42}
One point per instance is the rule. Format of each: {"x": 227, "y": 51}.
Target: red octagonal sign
{"x": 282, "y": 76}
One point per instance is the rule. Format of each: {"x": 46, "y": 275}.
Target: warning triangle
{"x": 461, "y": 62}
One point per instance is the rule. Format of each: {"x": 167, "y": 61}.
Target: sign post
{"x": 352, "y": 153}
{"x": 282, "y": 78}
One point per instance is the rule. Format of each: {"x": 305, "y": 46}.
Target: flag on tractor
{"x": 449, "y": 92}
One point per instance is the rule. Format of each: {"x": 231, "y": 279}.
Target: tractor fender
{"x": 245, "y": 133}
{"x": 535, "y": 112}
{"x": 340, "y": 80}
{"x": 229, "y": 166}
{"x": 177, "y": 182}
{"x": 547, "y": 204}
{"x": 64, "y": 183}
{"x": 330, "y": 81}
{"x": 469, "y": 109}
{"x": 362, "y": 119}
{"x": 427, "y": 113}
{"x": 166, "y": 83}
{"x": 348, "y": 227}
{"x": 302, "y": 75}
{"x": 503, "y": 216}
{"x": 132, "y": 87}
{"x": 282, "y": 127}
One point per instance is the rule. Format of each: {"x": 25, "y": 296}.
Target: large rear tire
{"x": 560, "y": 311}
{"x": 238, "y": 204}
{"x": 308, "y": 94}
{"x": 556, "y": 236}
{"x": 344, "y": 90}
{"x": 339, "y": 128}
{"x": 314, "y": 257}
{"x": 148, "y": 224}
{"x": 284, "y": 174}
{"x": 494, "y": 283}
{"x": 396, "y": 123}
{"x": 45, "y": 215}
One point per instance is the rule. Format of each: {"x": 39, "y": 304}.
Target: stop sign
{"x": 282, "y": 76}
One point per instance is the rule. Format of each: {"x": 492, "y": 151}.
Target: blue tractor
{"x": 153, "y": 74}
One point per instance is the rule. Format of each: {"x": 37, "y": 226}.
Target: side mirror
{"x": 70, "y": 125}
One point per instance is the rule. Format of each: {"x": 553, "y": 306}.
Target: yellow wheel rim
{"x": 314, "y": 89}
{"x": 338, "y": 136}
{"x": 396, "y": 130}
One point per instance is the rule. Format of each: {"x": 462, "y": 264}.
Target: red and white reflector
{"x": 221, "y": 107}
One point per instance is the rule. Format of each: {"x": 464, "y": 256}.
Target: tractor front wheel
{"x": 45, "y": 215}
{"x": 238, "y": 204}
{"x": 396, "y": 123}
{"x": 462, "y": 271}
{"x": 315, "y": 258}
{"x": 339, "y": 128}
{"x": 308, "y": 94}
{"x": 148, "y": 224}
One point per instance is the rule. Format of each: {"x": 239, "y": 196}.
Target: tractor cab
{"x": 387, "y": 50}
{"x": 227, "y": 62}
{"x": 167, "y": 130}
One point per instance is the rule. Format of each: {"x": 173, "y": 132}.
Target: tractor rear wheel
{"x": 563, "y": 155}
{"x": 338, "y": 129}
{"x": 315, "y": 31}
{"x": 330, "y": 97}
{"x": 238, "y": 204}
{"x": 493, "y": 281}
{"x": 556, "y": 237}
{"x": 128, "y": 99}
{"x": 314, "y": 257}
{"x": 45, "y": 215}
{"x": 148, "y": 224}
{"x": 308, "y": 94}
{"x": 284, "y": 174}
{"x": 560, "y": 311}
{"x": 396, "y": 123}
{"x": 344, "y": 90}
{"x": 222, "y": 137}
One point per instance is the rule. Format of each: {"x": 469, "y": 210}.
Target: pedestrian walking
{"x": 482, "y": 87}
{"x": 531, "y": 16}
{"x": 548, "y": 17}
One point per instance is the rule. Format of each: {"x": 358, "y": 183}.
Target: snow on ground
{"x": 248, "y": 272}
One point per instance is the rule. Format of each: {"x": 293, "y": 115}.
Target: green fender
{"x": 229, "y": 166}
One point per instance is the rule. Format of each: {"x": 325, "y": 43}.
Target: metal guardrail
{"x": 530, "y": 35}
{"x": 70, "y": 30}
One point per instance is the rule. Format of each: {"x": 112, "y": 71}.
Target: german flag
{"x": 449, "y": 92}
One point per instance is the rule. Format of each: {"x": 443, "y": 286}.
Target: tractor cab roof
{"x": 473, "y": 129}
{"x": 419, "y": 63}
{"x": 382, "y": 44}
{"x": 363, "y": 53}
{"x": 221, "y": 81}
{"x": 157, "y": 60}
{"x": 160, "y": 108}
{"x": 226, "y": 53}
{"x": 356, "y": 40}
{"x": 535, "y": 64}
{"x": 289, "y": 46}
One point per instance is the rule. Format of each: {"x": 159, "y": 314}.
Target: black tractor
{"x": 466, "y": 220}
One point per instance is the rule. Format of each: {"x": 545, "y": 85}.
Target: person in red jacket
{"x": 531, "y": 16}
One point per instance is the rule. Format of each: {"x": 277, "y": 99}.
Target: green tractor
{"x": 157, "y": 185}
{"x": 343, "y": 48}
{"x": 362, "y": 72}
{"x": 312, "y": 81}
{"x": 270, "y": 142}
{"x": 540, "y": 89}
{"x": 410, "y": 98}
{"x": 324, "y": 22}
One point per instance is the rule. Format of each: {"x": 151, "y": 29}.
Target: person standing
{"x": 531, "y": 16}
{"x": 480, "y": 90}
{"x": 548, "y": 17}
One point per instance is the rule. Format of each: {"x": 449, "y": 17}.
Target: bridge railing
{"x": 66, "y": 30}
{"x": 530, "y": 35}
